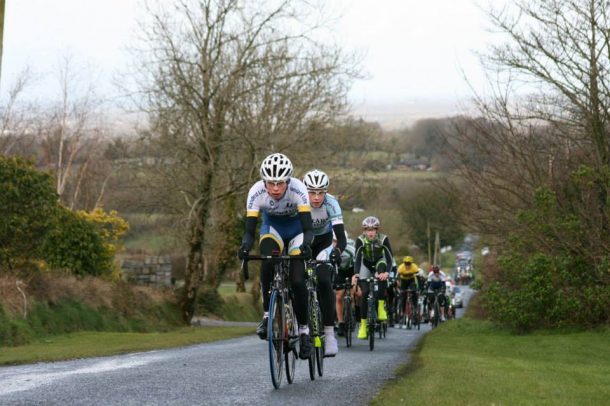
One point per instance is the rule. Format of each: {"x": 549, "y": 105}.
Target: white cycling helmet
{"x": 316, "y": 180}
{"x": 276, "y": 168}
{"x": 370, "y": 222}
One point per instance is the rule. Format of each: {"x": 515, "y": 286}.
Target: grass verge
{"x": 469, "y": 362}
{"x": 93, "y": 344}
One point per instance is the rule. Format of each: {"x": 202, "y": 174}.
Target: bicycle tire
{"x": 372, "y": 321}
{"x": 313, "y": 329}
{"x": 292, "y": 332}
{"x": 275, "y": 337}
{"x": 436, "y": 317}
{"x": 311, "y": 362}
{"x": 320, "y": 348}
{"x": 348, "y": 320}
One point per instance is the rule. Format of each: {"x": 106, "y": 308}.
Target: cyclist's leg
{"x": 325, "y": 273}
{"x": 363, "y": 291}
{"x": 381, "y": 267}
{"x": 270, "y": 242}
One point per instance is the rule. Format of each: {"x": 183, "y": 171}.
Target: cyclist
{"x": 407, "y": 272}
{"x": 327, "y": 219}
{"x": 373, "y": 258}
{"x": 436, "y": 283}
{"x": 346, "y": 270}
{"x": 284, "y": 204}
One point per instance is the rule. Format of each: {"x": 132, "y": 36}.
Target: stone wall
{"x": 149, "y": 270}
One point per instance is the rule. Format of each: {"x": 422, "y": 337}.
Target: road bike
{"x": 282, "y": 326}
{"x": 409, "y": 317}
{"x": 348, "y": 311}
{"x": 373, "y": 324}
{"x": 435, "y": 309}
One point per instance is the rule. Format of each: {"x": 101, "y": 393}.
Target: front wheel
{"x": 275, "y": 337}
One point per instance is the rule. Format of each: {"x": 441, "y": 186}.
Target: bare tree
{"x": 226, "y": 82}
{"x": 556, "y": 138}
{"x": 71, "y": 131}
{"x": 13, "y": 116}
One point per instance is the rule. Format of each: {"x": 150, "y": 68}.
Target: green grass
{"x": 92, "y": 344}
{"x": 468, "y": 362}
{"x": 151, "y": 244}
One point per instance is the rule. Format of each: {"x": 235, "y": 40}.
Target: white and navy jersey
{"x": 439, "y": 277}
{"x": 295, "y": 200}
{"x": 326, "y": 216}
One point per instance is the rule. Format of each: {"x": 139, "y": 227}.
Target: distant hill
{"x": 392, "y": 116}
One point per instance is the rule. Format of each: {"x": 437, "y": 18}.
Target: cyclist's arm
{"x": 358, "y": 257}
{"x": 250, "y": 229}
{"x": 307, "y": 226}
{"x": 389, "y": 255}
{"x": 339, "y": 230}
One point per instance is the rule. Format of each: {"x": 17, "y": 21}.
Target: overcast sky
{"x": 415, "y": 50}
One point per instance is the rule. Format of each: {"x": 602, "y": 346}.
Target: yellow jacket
{"x": 407, "y": 272}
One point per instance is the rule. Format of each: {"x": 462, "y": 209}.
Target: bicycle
{"x": 372, "y": 323}
{"x": 348, "y": 311}
{"x": 316, "y": 326}
{"x": 282, "y": 326}
{"x": 409, "y": 315}
{"x": 435, "y": 310}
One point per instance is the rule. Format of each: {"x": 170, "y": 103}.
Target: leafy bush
{"x": 76, "y": 245}
{"x": 13, "y": 332}
{"x": 546, "y": 292}
{"x": 28, "y": 204}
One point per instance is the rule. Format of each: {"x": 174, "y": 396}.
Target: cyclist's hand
{"x": 335, "y": 257}
{"x": 305, "y": 250}
{"x": 244, "y": 251}
{"x": 383, "y": 276}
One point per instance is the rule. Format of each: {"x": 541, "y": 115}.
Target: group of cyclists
{"x": 300, "y": 218}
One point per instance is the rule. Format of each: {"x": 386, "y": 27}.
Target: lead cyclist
{"x": 284, "y": 204}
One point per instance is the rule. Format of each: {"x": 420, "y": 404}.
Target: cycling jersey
{"x": 326, "y": 216}
{"x": 294, "y": 201}
{"x": 436, "y": 280}
{"x": 407, "y": 272}
{"x": 281, "y": 221}
{"x": 372, "y": 255}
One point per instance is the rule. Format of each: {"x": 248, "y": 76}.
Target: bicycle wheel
{"x": 319, "y": 341}
{"x": 313, "y": 331}
{"x": 348, "y": 320}
{"x": 409, "y": 313}
{"x": 436, "y": 316}
{"x": 372, "y": 321}
{"x": 275, "y": 336}
{"x": 292, "y": 336}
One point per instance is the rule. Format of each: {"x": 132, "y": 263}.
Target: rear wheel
{"x": 275, "y": 337}
{"x": 319, "y": 344}
{"x": 348, "y": 320}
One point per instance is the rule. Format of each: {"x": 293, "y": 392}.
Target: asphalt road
{"x": 231, "y": 372}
